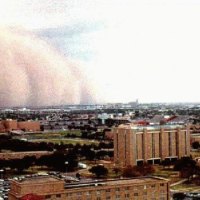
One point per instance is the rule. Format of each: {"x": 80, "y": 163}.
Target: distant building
{"x": 134, "y": 144}
{"x": 2, "y": 127}
{"x": 122, "y": 189}
{"x": 12, "y": 125}
{"x": 29, "y": 125}
{"x": 134, "y": 103}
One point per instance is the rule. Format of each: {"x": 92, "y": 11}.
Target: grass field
{"x": 65, "y": 141}
{"x": 186, "y": 188}
{"x": 59, "y": 137}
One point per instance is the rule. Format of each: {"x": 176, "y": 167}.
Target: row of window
{"x": 79, "y": 195}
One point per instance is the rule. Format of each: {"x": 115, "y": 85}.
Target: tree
{"x": 142, "y": 170}
{"x": 117, "y": 170}
{"x": 99, "y": 170}
{"x": 17, "y": 164}
{"x": 195, "y": 145}
{"x": 72, "y": 160}
{"x": 130, "y": 171}
{"x": 187, "y": 167}
{"x": 183, "y": 163}
{"x": 179, "y": 196}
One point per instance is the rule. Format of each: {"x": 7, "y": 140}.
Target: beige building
{"x": 137, "y": 144}
{"x": 149, "y": 188}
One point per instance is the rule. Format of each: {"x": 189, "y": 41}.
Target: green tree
{"x": 117, "y": 170}
{"x": 142, "y": 170}
{"x": 99, "y": 170}
{"x": 131, "y": 171}
{"x": 195, "y": 145}
{"x": 187, "y": 167}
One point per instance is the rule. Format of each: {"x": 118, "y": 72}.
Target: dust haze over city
{"x": 69, "y": 52}
{"x": 99, "y": 99}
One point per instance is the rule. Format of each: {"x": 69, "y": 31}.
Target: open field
{"x": 58, "y": 133}
{"x": 186, "y": 188}
{"x": 58, "y": 137}
{"x": 65, "y": 141}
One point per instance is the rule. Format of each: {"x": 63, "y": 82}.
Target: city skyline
{"x": 121, "y": 50}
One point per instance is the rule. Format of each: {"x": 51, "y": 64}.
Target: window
{"x": 153, "y": 186}
{"x": 117, "y": 197}
{"x": 58, "y": 195}
{"x": 162, "y": 184}
{"x": 117, "y": 189}
{"x": 98, "y": 192}
{"x": 88, "y": 193}
{"x": 98, "y": 198}
{"x": 108, "y": 190}
{"x": 127, "y": 195}
{"x": 108, "y": 198}
{"x": 135, "y": 194}
{"x": 79, "y": 195}
{"x": 69, "y": 194}
{"x": 47, "y": 196}
{"x": 126, "y": 188}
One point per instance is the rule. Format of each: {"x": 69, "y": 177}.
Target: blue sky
{"x": 130, "y": 48}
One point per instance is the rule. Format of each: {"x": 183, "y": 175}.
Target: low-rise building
{"x": 29, "y": 125}
{"x": 12, "y": 125}
{"x": 146, "y": 188}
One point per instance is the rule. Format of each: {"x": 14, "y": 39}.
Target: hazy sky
{"x": 148, "y": 50}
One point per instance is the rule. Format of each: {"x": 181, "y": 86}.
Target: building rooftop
{"x": 115, "y": 182}
{"x": 38, "y": 180}
{"x": 88, "y": 183}
{"x": 151, "y": 127}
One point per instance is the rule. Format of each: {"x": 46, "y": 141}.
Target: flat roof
{"x": 90, "y": 183}
{"x": 116, "y": 182}
{"x": 151, "y": 127}
{"x": 38, "y": 179}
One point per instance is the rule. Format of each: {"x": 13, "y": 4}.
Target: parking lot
{"x": 4, "y": 188}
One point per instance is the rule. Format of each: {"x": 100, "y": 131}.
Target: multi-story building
{"x": 134, "y": 144}
{"x": 10, "y": 125}
{"x": 148, "y": 188}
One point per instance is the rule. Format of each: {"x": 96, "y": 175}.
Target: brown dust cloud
{"x": 35, "y": 74}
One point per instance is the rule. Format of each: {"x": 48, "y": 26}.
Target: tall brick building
{"x": 137, "y": 144}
